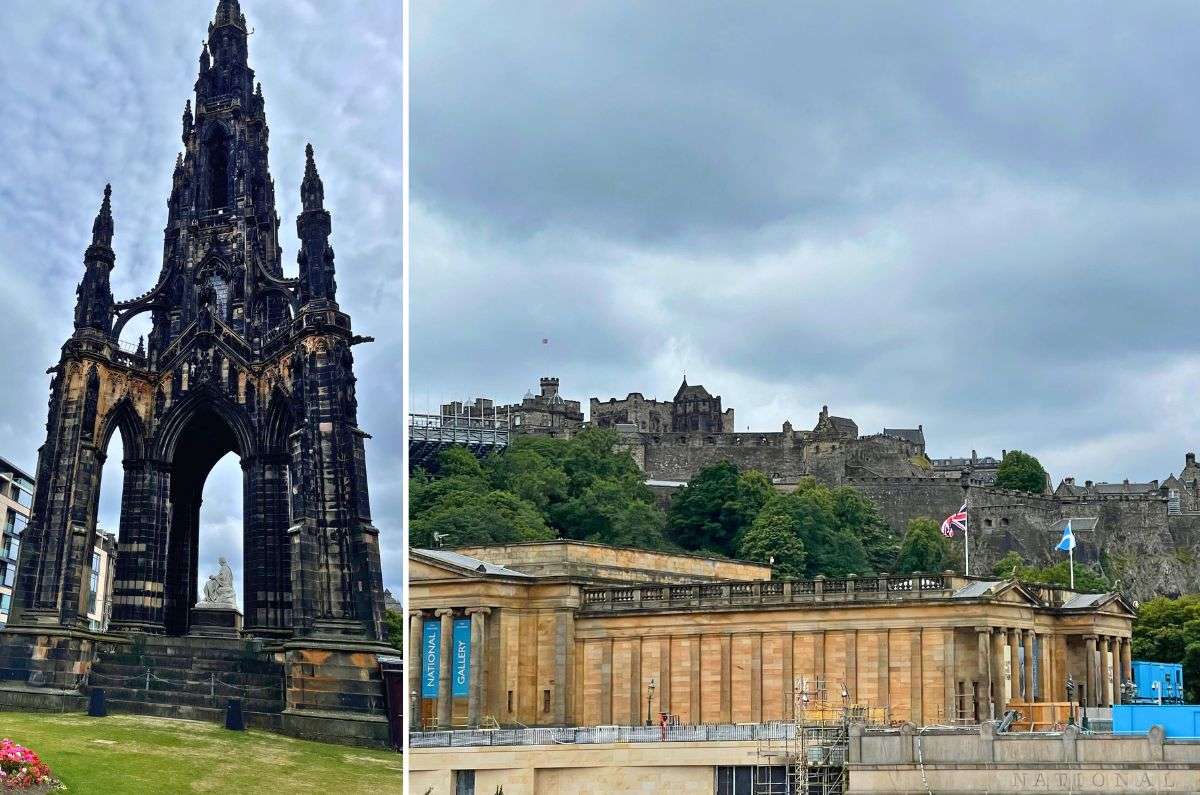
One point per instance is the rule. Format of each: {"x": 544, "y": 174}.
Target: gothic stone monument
{"x": 241, "y": 358}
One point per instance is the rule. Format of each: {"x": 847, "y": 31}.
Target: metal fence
{"x": 592, "y": 735}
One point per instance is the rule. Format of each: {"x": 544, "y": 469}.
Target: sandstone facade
{"x": 574, "y": 647}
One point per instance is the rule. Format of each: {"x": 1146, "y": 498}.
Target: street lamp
{"x": 649, "y": 700}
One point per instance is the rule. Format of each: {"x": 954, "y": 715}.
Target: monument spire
{"x": 102, "y": 227}
{"x": 313, "y": 226}
{"x": 94, "y": 299}
{"x": 312, "y": 190}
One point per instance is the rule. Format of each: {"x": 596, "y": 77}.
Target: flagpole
{"x": 967, "y": 547}
{"x": 1071, "y": 563}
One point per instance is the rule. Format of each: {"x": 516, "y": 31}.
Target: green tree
{"x": 703, "y": 514}
{"x": 808, "y": 513}
{"x": 924, "y": 548}
{"x": 1021, "y": 472}
{"x": 583, "y": 488}
{"x": 393, "y": 622}
{"x": 773, "y": 540}
{"x": 463, "y": 518}
{"x": 855, "y": 512}
{"x": 1168, "y": 630}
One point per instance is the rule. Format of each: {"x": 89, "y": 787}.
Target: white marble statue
{"x": 218, "y": 591}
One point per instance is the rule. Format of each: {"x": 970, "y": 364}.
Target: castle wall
{"x": 681, "y": 456}
{"x": 1148, "y": 551}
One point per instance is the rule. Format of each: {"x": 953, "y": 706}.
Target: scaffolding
{"x": 810, "y": 757}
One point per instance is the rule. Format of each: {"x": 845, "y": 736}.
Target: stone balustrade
{"x": 769, "y": 592}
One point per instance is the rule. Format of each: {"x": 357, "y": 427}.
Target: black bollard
{"x": 234, "y": 719}
{"x": 96, "y": 706}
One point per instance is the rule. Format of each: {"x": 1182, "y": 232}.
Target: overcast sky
{"x": 983, "y": 218}
{"x": 94, "y": 93}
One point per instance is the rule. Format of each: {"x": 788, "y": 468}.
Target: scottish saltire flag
{"x": 954, "y": 520}
{"x": 1068, "y": 539}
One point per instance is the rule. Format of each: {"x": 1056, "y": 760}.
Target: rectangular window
{"x": 545, "y": 701}
{"x": 5, "y": 602}
{"x": 8, "y": 573}
{"x": 22, "y": 497}
{"x": 510, "y": 701}
{"x": 464, "y": 782}
{"x": 92, "y": 596}
{"x": 16, "y": 523}
{"x": 751, "y": 780}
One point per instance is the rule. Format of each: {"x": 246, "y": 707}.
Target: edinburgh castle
{"x": 1145, "y": 537}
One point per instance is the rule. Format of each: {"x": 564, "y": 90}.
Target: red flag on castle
{"x": 954, "y": 520}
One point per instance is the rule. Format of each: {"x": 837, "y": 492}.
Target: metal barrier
{"x": 599, "y": 735}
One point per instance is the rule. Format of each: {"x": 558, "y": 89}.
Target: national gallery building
{"x": 566, "y": 633}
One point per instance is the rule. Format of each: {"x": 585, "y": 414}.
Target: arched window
{"x": 220, "y": 291}
{"x": 217, "y": 155}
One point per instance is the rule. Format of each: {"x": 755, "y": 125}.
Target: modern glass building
{"x": 16, "y": 499}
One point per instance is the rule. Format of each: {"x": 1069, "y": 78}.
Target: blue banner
{"x": 460, "y": 674}
{"x": 431, "y": 654}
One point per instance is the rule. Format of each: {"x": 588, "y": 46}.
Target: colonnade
{"x": 1015, "y": 648}
{"x": 443, "y": 709}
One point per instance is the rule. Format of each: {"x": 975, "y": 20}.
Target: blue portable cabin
{"x": 1154, "y": 679}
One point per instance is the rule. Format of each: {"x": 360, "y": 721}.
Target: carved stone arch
{"x": 91, "y": 399}
{"x": 280, "y": 422}
{"x": 129, "y": 314}
{"x": 218, "y": 164}
{"x": 202, "y": 398}
{"x": 124, "y": 415}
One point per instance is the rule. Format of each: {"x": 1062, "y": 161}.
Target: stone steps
{"x": 181, "y": 698}
{"x": 112, "y": 671}
{"x": 191, "y": 677}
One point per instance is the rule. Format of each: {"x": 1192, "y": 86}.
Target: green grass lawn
{"x": 134, "y": 754}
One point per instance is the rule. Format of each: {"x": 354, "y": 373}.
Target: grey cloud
{"x": 980, "y": 218}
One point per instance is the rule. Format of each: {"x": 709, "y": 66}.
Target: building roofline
{"x": 8, "y": 463}
{"x": 578, "y": 543}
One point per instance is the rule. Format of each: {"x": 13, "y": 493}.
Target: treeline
{"x": 586, "y": 488}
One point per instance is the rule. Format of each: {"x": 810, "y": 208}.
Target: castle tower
{"x": 241, "y": 358}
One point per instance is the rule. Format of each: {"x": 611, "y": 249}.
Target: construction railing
{"x": 591, "y": 735}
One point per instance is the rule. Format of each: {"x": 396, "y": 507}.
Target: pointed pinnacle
{"x": 312, "y": 191}
{"x": 102, "y": 227}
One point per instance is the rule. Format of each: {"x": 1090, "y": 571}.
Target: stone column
{"x": 1127, "y": 659}
{"x": 983, "y": 674}
{"x": 1105, "y": 672}
{"x": 415, "y": 625}
{"x": 1045, "y": 679}
{"x": 1116, "y": 671}
{"x": 1027, "y": 639}
{"x": 1092, "y": 676}
{"x": 478, "y": 678}
{"x": 1014, "y": 664}
{"x": 997, "y": 672}
{"x": 445, "y": 698}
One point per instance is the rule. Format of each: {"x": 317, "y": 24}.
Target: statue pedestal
{"x": 216, "y": 621}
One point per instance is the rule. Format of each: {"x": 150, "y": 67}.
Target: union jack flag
{"x": 954, "y": 520}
